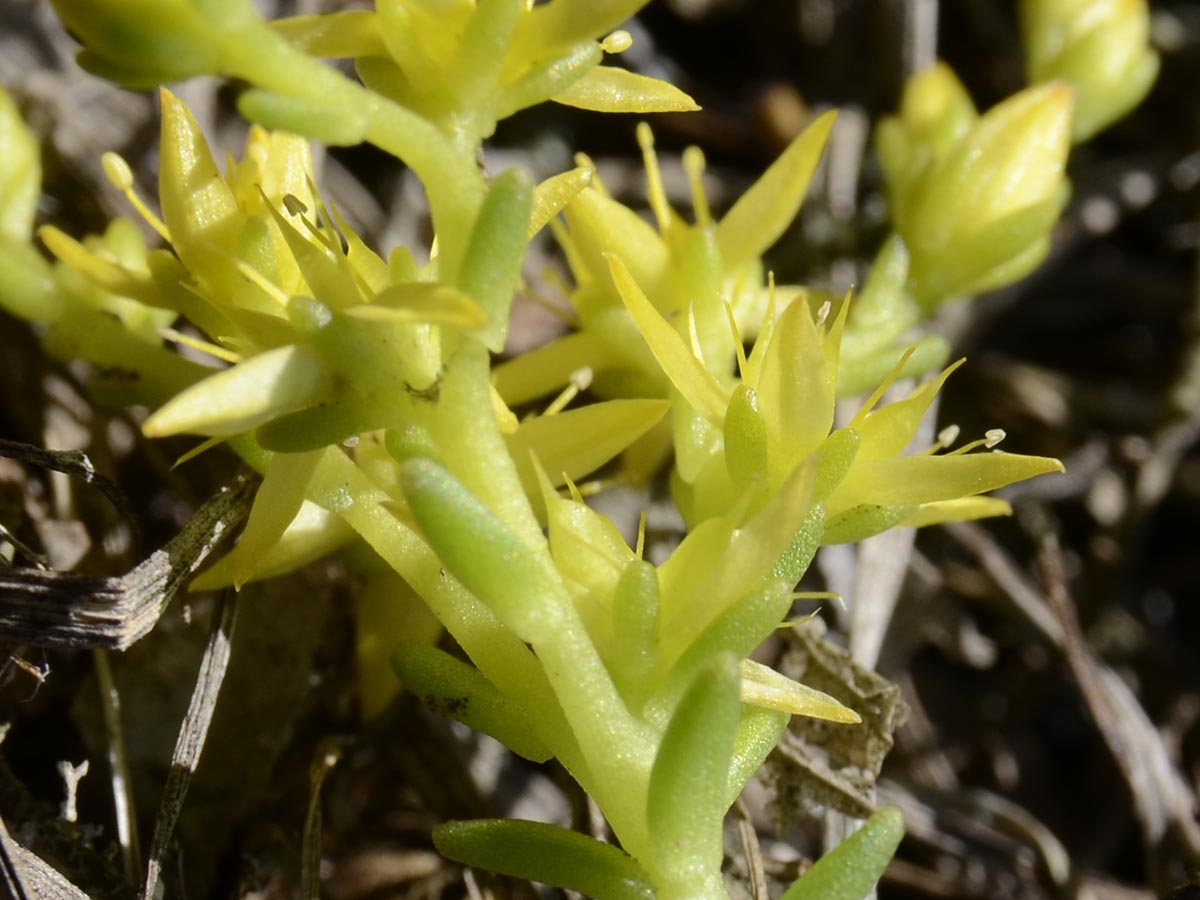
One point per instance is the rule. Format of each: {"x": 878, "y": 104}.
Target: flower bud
{"x": 935, "y": 113}
{"x": 1099, "y": 47}
{"x": 980, "y": 216}
{"x": 140, "y": 43}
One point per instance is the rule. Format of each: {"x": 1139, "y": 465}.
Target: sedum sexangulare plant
{"x": 361, "y": 385}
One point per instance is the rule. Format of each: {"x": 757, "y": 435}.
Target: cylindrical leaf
{"x": 547, "y": 854}
{"x": 850, "y": 870}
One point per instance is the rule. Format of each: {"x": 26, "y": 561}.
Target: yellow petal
{"x": 198, "y": 207}
{"x": 888, "y": 430}
{"x": 276, "y": 504}
{"x": 609, "y": 89}
{"x": 763, "y": 686}
{"x": 961, "y": 510}
{"x": 107, "y": 273}
{"x": 350, "y": 33}
{"x": 421, "y": 302}
{"x": 575, "y": 443}
{"x": 600, "y": 225}
{"x": 552, "y": 195}
{"x": 795, "y": 391}
{"x": 553, "y": 27}
{"x": 313, "y": 533}
{"x": 691, "y": 379}
{"x": 245, "y": 396}
{"x": 916, "y": 480}
{"x": 548, "y": 368}
{"x": 762, "y": 213}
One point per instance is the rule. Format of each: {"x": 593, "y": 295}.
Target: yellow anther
{"x": 617, "y": 42}
{"x": 118, "y": 172}
{"x": 693, "y": 166}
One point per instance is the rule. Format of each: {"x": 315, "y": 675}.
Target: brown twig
{"x": 60, "y": 609}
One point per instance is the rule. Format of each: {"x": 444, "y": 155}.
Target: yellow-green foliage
{"x": 361, "y": 384}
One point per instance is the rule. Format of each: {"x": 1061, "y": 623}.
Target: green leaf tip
{"x": 547, "y": 854}
{"x": 850, "y": 870}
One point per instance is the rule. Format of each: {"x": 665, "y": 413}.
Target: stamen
{"x": 820, "y": 595}
{"x": 991, "y": 438}
{"x": 211, "y": 349}
{"x": 948, "y": 435}
{"x": 694, "y": 335}
{"x": 945, "y": 438}
{"x": 823, "y": 313}
{"x": 738, "y": 346}
{"x": 297, "y": 210}
{"x": 882, "y": 389}
{"x": 581, "y": 380}
{"x": 792, "y": 623}
{"x": 617, "y": 42}
{"x": 325, "y": 219}
{"x": 640, "y": 548}
{"x": 654, "y": 186}
{"x": 598, "y": 485}
{"x": 256, "y": 278}
{"x": 693, "y": 165}
{"x": 294, "y": 205}
{"x": 574, "y": 491}
{"x": 552, "y": 276}
{"x": 586, "y": 162}
{"x": 766, "y": 330}
{"x": 121, "y": 176}
{"x": 197, "y": 450}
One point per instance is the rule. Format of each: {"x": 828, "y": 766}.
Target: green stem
{"x": 447, "y": 170}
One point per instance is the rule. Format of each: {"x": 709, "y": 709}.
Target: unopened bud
{"x": 1100, "y": 47}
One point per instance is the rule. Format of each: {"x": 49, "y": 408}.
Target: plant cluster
{"x": 363, "y": 385}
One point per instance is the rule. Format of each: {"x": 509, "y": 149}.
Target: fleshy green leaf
{"x": 452, "y": 688}
{"x": 547, "y": 854}
{"x": 333, "y": 124}
{"x": 745, "y": 437}
{"x": 740, "y": 628}
{"x": 850, "y": 870}
{"x": 758, "y": 732}
{"x": 685, "y": 808}
{"x": 493, "y": 260}
{"x": 635, "y": 618}
{"x": 860, "y": 522}
{"x": 482, "y": 552}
